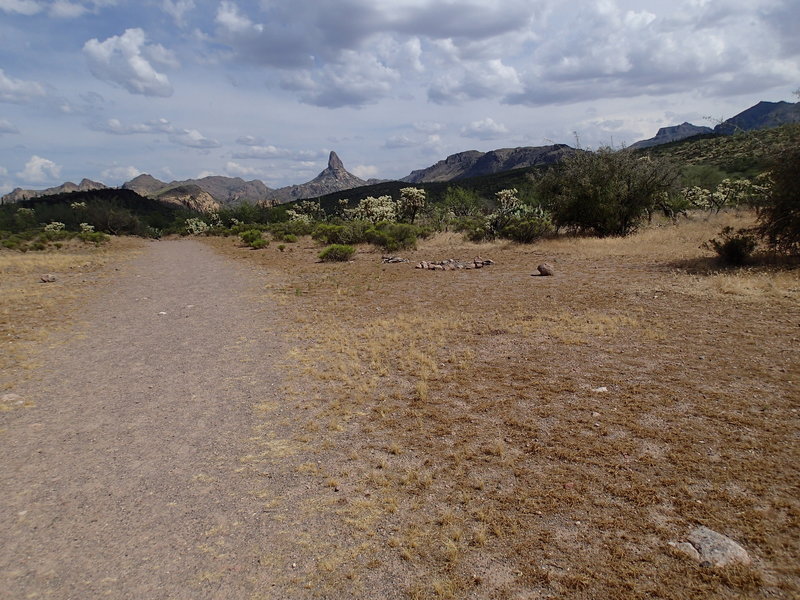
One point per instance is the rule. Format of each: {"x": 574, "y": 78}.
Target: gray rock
{"x": 546, "y": 269}
{"x": 48, "y": 278}
{"x": 713, "y": 549}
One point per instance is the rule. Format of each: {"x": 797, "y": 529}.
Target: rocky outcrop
{"x": 454, "y": 265}
{"x": 474, "y": 164}
{"x": 712, "y": 549}
{"x": 190, "y": 196}
{"x": 672, "y": 134}
{"x": 334, "y": 178}
{"x": 145, "y": 185}
{"x": 86, "y": 185}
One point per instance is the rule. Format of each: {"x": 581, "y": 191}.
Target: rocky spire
{"x": 335, "y": 163}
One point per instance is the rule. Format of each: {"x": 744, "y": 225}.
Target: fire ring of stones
{"x": 454, "y": 265}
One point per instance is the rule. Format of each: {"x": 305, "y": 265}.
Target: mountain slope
{"x": 763, "y": 115}
{"x": 474, "y": 164}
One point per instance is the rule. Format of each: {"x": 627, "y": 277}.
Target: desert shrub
{"x": 93, "y": 237}
{"x": 733, "y": 247}
{"x": 779, "y": 212}
{"x": 606, "y": 192}
{"x": 527, "y": 229}
{"x": 290, "y": 238}
{"x": 395, "y": 236}
{"x": 253, "y": 238}
{"x": 462, "y": 202}
{"x": 349, "y": 232}
{"x": 337, "y": 253}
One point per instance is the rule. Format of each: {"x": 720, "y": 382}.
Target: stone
{"x": 478, "y": 265}
{"x": 546, "y": 269}
{"x": 687, "y": 549}
{"x": 48, "y": 278}
{"x": 600, "y": 390}
{"x": 716, "y": 549}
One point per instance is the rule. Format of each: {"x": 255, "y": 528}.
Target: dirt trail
{"x": 122, "y": 480}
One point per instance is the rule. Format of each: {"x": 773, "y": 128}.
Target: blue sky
{"x": 107, "y": 89}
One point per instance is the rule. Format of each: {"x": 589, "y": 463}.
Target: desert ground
{"x": 191, "y": 418}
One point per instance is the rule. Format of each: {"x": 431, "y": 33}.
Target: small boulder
{"x": 546, "y": 269}
{"x": 47, "y": 278}
{"x": 717, "y": 549}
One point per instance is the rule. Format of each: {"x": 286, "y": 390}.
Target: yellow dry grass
{"x": 492, "y": 434}
{"x": 31, "y": 310}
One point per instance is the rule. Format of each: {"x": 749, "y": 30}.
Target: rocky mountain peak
{"x": 335, "y": 163}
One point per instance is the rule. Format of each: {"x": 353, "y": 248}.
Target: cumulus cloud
{"x": 120, "y": 174}
{"x": 364, "y": 171}
{"x": 191, "y": 138}
{"x": 22, "y": 7}
{"x": 39, "y": 170}
{"x": 178, "y": 9}
{"x": 66, "y": 10}
{"x": 354, "y": 80}
{"x": 270, "y": 151}
{"x": 400, "y": 141}
{"x": 7, "y": 127}
{"x": 487, "y": 129}
{"x": 18, "y": 90}
{"x": 485, "y": 79}
{"x": 123, "y": 60}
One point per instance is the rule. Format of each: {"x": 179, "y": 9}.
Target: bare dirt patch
{"x": 489, "y": 434}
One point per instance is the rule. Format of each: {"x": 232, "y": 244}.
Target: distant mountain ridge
{"x": 764, "y": 115}
{"x": 675, "y": 133}
{"x": 18, "y": 194}
{"x": 473, "y": 163}
{"x": 334, "y": 178}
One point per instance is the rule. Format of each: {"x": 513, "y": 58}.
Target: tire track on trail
{"x": 129, "y": 477}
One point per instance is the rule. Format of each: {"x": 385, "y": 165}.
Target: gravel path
{"x": 125, "y": 479}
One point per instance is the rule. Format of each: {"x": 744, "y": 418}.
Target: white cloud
{"x": 22, "y": 7}
{"x": 487, "y": 79}
{"x": 39, "y": 170}
{"x": 17, "y": 90}
{"x": 191, "y": 138}
{"x": 400, "y": 141}
{"x": 487, "y": 129}
{"x": 123, "y": 60}
{"x": 364, "y": 171}
{"x": 237, "y": 170}
{"x": 3, "y": 171}
{"x": 265, "y": 152}
{"x": 249, "y": 140}
{"x": 7, "y": 127}
{"x": 66, "y": 10}
{"x": 120, "y": 174}
{"x": 428, "y": 126}
{"x": 116, "y": 127}
{"x": 177, "y": 9}
{"x": 229, "y": 17}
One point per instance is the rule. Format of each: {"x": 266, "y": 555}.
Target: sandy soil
{"x": 132, "y": 472}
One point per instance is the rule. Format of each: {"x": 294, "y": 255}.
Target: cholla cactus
{"x": 375, "y": 210}
{"x": 306, "y": 211}
{"x": 86, "y": 228}
{"x": 54, "y": 226}
{"x": 196, "y": 226}
{"x": 412, "y": 200}
{"x": 508, "y": 200}
{"x": 77, "y": 205}
{"x": 698, "y": 197}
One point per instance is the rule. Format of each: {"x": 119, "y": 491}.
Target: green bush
{"x": 337, "y": 253}
{"x": 259, "y": 243}
{"x": 290, "y": 238}
{"x": 250, "y": 236}
{"x": 395, "y": 236}
{"x": 526, "y": 230}
{"x": 606, "y": 192}
{"x": 733, "y": 247}
{"x": 779, "y": 212}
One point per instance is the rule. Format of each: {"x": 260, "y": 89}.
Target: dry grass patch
{"x": 513, "y": 436}
{"x": 30, "y": 310}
